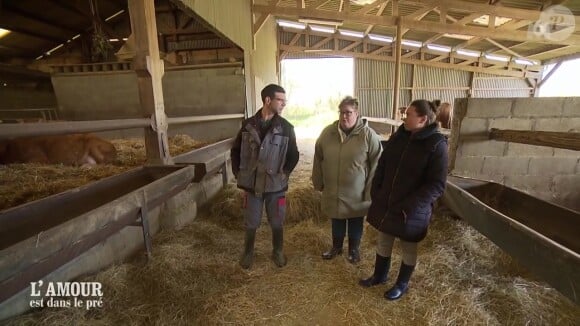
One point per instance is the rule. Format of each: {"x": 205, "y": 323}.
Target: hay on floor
{"x": 194, "y": 279}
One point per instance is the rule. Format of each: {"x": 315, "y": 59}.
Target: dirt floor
{"x": 194, "y": 278}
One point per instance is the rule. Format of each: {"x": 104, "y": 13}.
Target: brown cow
{"x": 400, "y": 113}
{"x": 74, "y": 149}
{"x": 444, "y": 115}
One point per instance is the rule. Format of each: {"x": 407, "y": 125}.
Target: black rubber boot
{"x": 278, "y": 246}
{"x": 382, "y": 266}
{"x": 402, "y": 284}
{"x": 353, "y": 251}
{"x": 248, "y": 256}
{"x": 335, "y": 250}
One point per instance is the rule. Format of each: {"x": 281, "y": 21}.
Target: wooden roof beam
{"x": 509, "y": 73}
{"x": 369, "y": 7}
{"x": 36, "y": 18}
{"x": 485, "y": 9}
{"x": 379, "y": 13}
{"x": 29, "y": 32}
{"x": 318, "y": 4}
{"x": 406, "y": 23}
{"x": 75, "y": 7}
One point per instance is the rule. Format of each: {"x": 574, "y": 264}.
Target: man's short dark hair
{"x": 271, "y": 90}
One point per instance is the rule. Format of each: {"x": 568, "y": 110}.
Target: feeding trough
{"x": 39, "y": 237}
{"x": 542, "y": 236}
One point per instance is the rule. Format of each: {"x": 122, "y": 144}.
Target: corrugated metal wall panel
{"x": 501, "y": 93}
{"x": 486, "y": 85}
{"x": 374, "y": 103}
{"x": 440, "y": 94}
{"x": 374, "y": 85}
{"x": 439, "y": 77}
{"x": 373, "y": 74}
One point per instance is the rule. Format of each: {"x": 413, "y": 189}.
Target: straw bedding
{"x": 461, "y": 279}
{"x": 22, "y": 183}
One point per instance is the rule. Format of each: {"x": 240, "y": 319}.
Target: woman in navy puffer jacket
{"x": 410, "y": 176}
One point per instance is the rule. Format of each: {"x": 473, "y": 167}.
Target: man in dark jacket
{"x": 410, "y": 176}
{"x": 263, "y": 156}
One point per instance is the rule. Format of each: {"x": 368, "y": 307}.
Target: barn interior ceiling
{"x": 494, "y": 34}
{"x": 39, "y": 32}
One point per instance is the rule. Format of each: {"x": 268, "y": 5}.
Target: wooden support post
{"x": 149, "y": 68}
{"x": 396, "y": 84}
{"x": 471, "y": 83}
{"x": 144, "y": 214}
{"x": 566, "y": 140}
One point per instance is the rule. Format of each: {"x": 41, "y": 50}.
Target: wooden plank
{"x": 558, "y": 265}
{"x": 397, "y": 76}
{"x": 150, "y": 69}
{"x": 208, "y": 159}
{"x": 21, "y": 222}
{"x": 38, "y": 256}
{"x": 566, "y": 140}
{"x": 68, "y": 127}
{"x": 202, "y": 118}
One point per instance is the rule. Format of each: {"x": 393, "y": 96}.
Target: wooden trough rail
{"x": 36, "y": 242}
{"x": 71, "y": 127}
{"x": 565, "y": 140}
{"x": 542, "y": 236}
{"x": 209, "y": 159}
{"x": 40, "y": 237}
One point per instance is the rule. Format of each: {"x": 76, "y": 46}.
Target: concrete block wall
{"x": 551, "y": 174}
{"x": 13, "y": 98}
{"x": 103, "y": 96}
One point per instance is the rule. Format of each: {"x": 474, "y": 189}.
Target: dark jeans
{"x": 355, "y": 227}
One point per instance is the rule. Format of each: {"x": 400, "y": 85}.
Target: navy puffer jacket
{"x": 410, "y": 176}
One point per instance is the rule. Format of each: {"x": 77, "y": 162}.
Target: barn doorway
{"x": 314, "y": 89}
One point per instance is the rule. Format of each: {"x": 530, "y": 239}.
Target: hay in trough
{"x": 22, "y": 183}
{"x": 131, "y": 152}
{"x": 194, "y": 278}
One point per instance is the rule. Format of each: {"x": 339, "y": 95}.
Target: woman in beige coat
{"x": 345, "y": 159}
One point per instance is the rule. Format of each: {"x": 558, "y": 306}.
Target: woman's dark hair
{"x": 424, "y": 107}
